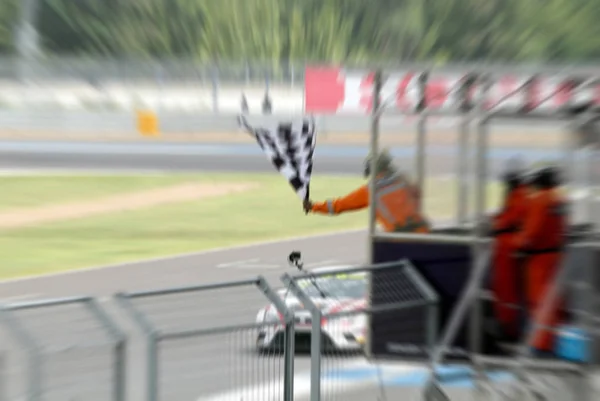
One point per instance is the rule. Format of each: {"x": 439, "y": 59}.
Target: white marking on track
{"x": 248, "y": 264}
{"x": 322, "y": 263}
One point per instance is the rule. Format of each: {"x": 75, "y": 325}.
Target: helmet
{"x": 383, "y": 163}
{"x": 543, "y": 177}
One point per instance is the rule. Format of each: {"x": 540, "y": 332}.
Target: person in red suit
{"x": 540, "y": 245}
{"x": 504, "y": 227}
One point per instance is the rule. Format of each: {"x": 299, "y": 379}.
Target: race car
{"x": 333, "y": 293}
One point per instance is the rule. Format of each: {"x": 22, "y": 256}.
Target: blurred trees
{"x": 333, "y": 31}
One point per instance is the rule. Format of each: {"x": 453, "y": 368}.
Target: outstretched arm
{"x": 355, "y": 200}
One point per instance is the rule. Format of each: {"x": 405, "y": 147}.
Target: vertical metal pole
{"x": 3, "y": 374}
{"x": 475, "y": 327}
{"x": 481, "y": 154}
{"x": 293, "y": 75}
{"x": 215, "y": 91}
{"x": 595, "y": 179}
{"x": 120, "y": 338}
{"x": 463, "y": 170}
{"x": 375, "y": 118}
{"x": 588, "y": 184}
{"x": 247, "y": 75}
{"x": 289, "y": 351}
{"x": 463, "y": 189}
{"x": 315, "y": 336}
{"x": 315, "y": 356}
{"x": 289, "y": 355}
{"x": 152, "y": 367}
{"x": 587, "y": 325}
{"x": 152, "y": 340}
{"x": 570, "y": 165}
{"x": 374, "y": 149}
{"x": 422, "y": 137}
{"x": 120, "y": 371}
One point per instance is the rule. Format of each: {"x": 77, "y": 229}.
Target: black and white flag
{"x": 290, "y": 147}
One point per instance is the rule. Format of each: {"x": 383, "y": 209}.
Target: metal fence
{"x": 337, "y": 317}
{"x": 203, "y": 339}
{"x": 243, "y": 340}
{"x": 569, "y": 380}
{"x": 62, "y": 349}
{"x": 165, "y": 71}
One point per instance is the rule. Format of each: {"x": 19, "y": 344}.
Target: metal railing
{"x": 532, "y": 377}
{"x": 340, "y": 319}
{"x": 70, "y": 349}
{"x": 241, "y": 339}
{"x": 203, "y": 339}
{"x": 552, "y": 378}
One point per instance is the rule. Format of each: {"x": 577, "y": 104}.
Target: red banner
{"x": 331, "y": 90}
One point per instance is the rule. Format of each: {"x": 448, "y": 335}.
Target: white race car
{"x": 333, "y": 293}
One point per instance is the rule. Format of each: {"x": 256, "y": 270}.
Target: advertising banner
{"x": 332, "y": 90}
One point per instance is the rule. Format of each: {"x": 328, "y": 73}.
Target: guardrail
{"x": 242, "y": 337}
{"x": 71, "y": 349}
{"x": 341, "y": 315}
{"x": 197, "y": 337}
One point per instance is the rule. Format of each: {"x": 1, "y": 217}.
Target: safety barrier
{"x": 201, "y": 340}
{"x": 336, "y": 317}
{"x": 62, "y": 349}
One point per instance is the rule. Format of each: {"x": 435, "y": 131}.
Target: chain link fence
{"x": 335, "y": 316}
{"x": 203, "y": 342}
{"x": 62, "y": 349}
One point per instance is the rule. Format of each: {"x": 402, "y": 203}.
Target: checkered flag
{"x": 290, "y": 147}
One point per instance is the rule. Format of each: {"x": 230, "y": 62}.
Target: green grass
{"x": 32, "y": 191}
{"x": 271, "y": 211}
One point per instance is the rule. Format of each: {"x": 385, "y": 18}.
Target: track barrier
{"x": 339, "y": 322}
{"x": 198, "y": 337}
{"x": 62, "y": 349}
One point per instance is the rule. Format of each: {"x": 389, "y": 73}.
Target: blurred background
{"x": 197, "y": 55}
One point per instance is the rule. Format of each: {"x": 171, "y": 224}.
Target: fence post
{"x": 315, "y": 337}
{"x": 432, "y": 308}
{"x": 34, "y": 369}
{"x": 215, "y": 86}
{"x": 3, "y": 380}
{"x": 120, "y": 338}
{"x": 289, "y": 351}
{"x": 152, "y": 337}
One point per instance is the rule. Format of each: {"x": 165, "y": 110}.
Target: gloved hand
{"x": 307, "y": 206}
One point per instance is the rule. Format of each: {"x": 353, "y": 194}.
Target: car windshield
{"x": 336, "y": 286}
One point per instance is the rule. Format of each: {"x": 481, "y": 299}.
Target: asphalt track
{"x": 190, "y": 157}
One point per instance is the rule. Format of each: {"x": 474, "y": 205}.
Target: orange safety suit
{"x": 505, "y": 225}
{"x": 541, "y": 243}
{"x": 397, "y": 208}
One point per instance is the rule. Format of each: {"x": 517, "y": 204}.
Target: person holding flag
{"x": 397, "y": 199}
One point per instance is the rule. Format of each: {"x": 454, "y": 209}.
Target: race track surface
{"x": 190, "y": 157}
